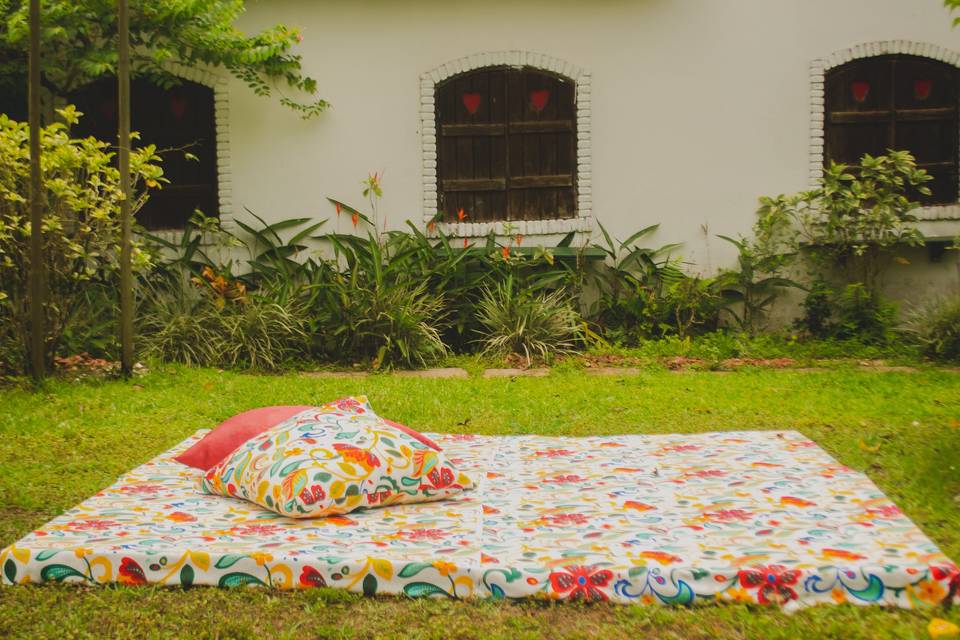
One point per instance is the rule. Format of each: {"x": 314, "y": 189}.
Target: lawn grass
{"x": 60, "y": 445}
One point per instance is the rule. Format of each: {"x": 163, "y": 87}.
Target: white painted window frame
{"x": 818, "y": 72}
{"x": 583, "y": 222}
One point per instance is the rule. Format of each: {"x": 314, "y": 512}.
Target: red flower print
{"x": 440, "y": 478}
{"x": 92, "y": 525}
{"x": 565, "y": 519}
{"x": 677, "y": 448}
{"x": 886, "y": 512}
{"x": 564, "y": 479}
{"x": 729, "y": 515}
{"x": 706, "y": 473}
{"x": 143, "y": 489}
{"x": 256, "y": 530}
{"x": 310, "y": 577}
{"x": 774, "y": 583}
{"x": 130, "y": 572}
{"x": 424, "y": 534}
{"x": 949, "y": 573}
{"x": 553, "y": 453}
{"x": 581, "y": 583}
{"x": 313, "y": 494}
{"x": 378, "y": 496}
{"x": 461, "y": 437}
{"x": 357, "y": 456}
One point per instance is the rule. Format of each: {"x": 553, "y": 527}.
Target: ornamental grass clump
{"x": 935, "y": 327}
{"x": 534, "y": 325}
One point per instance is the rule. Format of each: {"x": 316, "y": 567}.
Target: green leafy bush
{"x": 187, "y": 324}
{"x": 519, "y": 320}
{"x": 935, "y": 327}
{"x": 81, "y": 225}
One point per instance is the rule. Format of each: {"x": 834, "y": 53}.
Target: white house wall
{"x": 697, "y": 107}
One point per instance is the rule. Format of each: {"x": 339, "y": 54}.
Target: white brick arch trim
{"x": 583, "y": 222}
{"x": 221, "y": 113}
{"x": 818, "y": 72}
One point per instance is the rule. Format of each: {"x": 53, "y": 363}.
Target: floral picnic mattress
{"x": 765, "y": 517}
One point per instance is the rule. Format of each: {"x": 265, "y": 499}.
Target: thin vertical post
{"x": 123, "y": 111}
{"x": 37, "y": 332}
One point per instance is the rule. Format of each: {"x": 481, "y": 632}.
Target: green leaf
{"x": 370, "y": 585}
{"x": 871, "y": 593}
{"x": 10, "y": 571}
{"x": 228, "y": 560}
{"x": 186, "y": 576}
{"x": 45, "y": 555}
{"x": 421, "y": 589}
{"x": 413, "y": 569}
{"x": 238, "y": 579}
{"x": 59, "y": 572}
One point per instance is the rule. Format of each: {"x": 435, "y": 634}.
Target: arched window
{"x": 896, "y": 102}
{"x": 179, "y": 120}
{"x": 506, "y": 145}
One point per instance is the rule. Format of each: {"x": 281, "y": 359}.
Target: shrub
{"x": 81, "y": 225}
{"x": 190, "y": 325}
{"x": 935, "y": 327}
{"x": 517, "y": 320}
{"x": 864, "y": 315}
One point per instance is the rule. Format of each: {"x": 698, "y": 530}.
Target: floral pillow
{"x": 331, "y": 460}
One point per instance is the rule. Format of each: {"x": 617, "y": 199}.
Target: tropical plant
{"x": 863, "y": 315}
{"x": 935, "y": 326}
{"x": 375, "y": 309}
{"x": 518, "y": 320}
{"x": 855, "y": 219}
{"x": 188, "y": 324}
{"x": 78, "y": 45}
{"x": 751, "y": 288}
{"x": 81, "y": 222}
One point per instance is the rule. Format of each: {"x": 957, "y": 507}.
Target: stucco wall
{"x": 697, "y": 106}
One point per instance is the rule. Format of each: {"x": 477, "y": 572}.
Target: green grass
{"x": 60, "y": 445}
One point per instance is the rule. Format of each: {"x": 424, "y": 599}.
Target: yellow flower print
{"x": 738, "y": 595}
{"x": 82, "y": 552}
{"x": 839, "y": 595}
{"x": 444, "y": 568}
{"x": 261, "y": 558}
{"x": 928, "y": 591}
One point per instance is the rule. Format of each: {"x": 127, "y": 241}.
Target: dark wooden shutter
{"x": 506, "y": 141}
{"x": 896, "y": 102}
{"x": 176, "y": 119}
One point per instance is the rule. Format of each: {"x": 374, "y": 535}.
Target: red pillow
{"x": 231, "y": 433}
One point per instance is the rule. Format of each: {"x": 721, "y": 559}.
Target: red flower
{"x": 378, "y": 496}
{"x": 774, "y": 583}
{"x": 440, "y": 478}
{"x": 581, "y": 583}
{"x": 313, "y": 494}
{"x": 553, "y": 453}
{"x": 729, "y": 515}
{"x": 424, "y": 534}
{"x": 130, "y": 572}
{"x": 951, "y": 574}
{"x": 310, "y": 577}
{"x": 562, "y": 519}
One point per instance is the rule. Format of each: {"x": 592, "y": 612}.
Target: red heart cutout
{"x": 861, "y": 89}
{"x": 539, "y": 99}
{"x": 178, "y": 105}
{"x": 922, "y": 89}
{"x": 472, "y": 102}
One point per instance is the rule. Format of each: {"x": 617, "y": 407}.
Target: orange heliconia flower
{"x": 506, "y": 252}
{"x": 465, "y": 243}
{"x": 431, "y": 226}
{"x": 460, "y": 214}
{"x": 356, "y": 219}
{"x": 339, "y": 208}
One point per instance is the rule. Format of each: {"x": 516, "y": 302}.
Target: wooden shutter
{"x": 506, "y": 145}
{"x": 176, "y": 119}
{"x": 896, "y": 102}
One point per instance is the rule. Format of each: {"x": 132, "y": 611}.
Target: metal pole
{"x": 37, "y": 333}
{"x": 123, "y": 111}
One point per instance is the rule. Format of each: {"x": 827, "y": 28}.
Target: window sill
{"x": 521, "y": 227}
